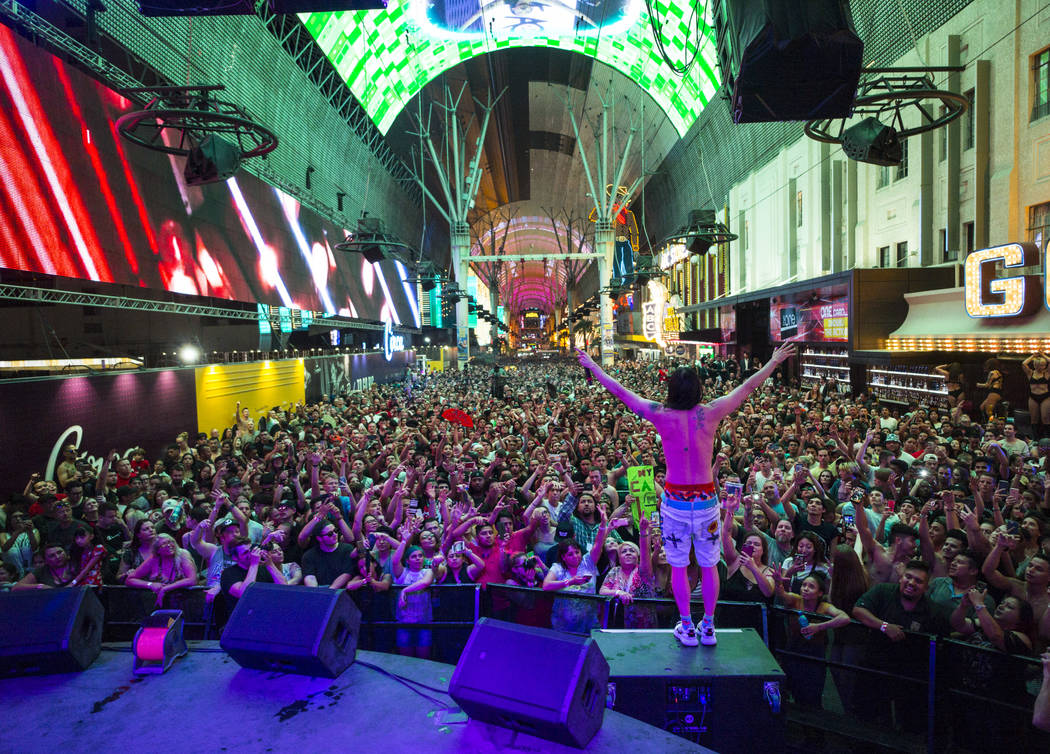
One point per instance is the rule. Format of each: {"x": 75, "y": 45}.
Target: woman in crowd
{"x": 849, "y": 580}
{"x": 806, "y": 636}
{"x": 368, "y": 575}
{"x": 462, "y": 566}
{"x": 413, "y": 602}
{"x": 19, "y": 542}
{"x": 745, "y": 575}
{"x": 292, "y": 571}
{"x": 576, "y": 571}
{"x": 807, "y": 558}
{"x": 1009, "y": 628}
{"x": 169, "y": 567}
{"x": 85, "y": 557}
{"x": 632, "y": 579}
{"x": 138, "y": 550}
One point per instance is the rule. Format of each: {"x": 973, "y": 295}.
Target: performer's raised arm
{"x": 639, "y": 405}
{"x": 720, "y": 408}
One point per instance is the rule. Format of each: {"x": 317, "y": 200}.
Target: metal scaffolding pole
{"x": 459, "y": 177}
{"x": 607, "y": 203}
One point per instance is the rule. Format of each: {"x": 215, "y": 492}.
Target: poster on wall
{"x": 727, "y": 323}
{"x": 82, "y": 202}
{"x": 820, "y": 316}
{"x": 94, "y": 415}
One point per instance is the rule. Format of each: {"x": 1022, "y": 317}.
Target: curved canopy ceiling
{"x": 387, "y": 56}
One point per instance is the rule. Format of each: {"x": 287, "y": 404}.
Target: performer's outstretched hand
{"x": 782, "y": 354}
{"x": 585, "y": 361}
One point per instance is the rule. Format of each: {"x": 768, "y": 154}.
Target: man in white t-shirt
{"x": 886, "y": 421}
{"x": 1012, "y": 444}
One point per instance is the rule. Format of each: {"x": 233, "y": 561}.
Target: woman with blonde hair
{"x": 633, "y": 578}
{"x": 168, "y": 567}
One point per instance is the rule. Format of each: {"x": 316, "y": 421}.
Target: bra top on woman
{"x": 996, "y": 382}
{"x": 1040, "y": 381}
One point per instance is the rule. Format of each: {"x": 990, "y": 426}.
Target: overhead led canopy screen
{"x": 78, "y": 201}
{"x": 387, "y": 56}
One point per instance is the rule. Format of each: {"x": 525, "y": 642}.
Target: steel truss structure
{"x": 35, "y": 295}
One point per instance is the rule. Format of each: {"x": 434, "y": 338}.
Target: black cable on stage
{"x": 408, "y": 683}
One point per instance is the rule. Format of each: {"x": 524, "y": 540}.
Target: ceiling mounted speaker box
{"x": 212, "y": 160}
{"x": 373, "y": 253}
{"x": 785, "y": 60}
{"x": 197, "y": 7}
{"x": 872, "y": 141}
{"x": 324, "y": 6}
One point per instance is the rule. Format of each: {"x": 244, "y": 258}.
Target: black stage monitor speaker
{"x": 293, "y": 629}
{"x": 788, "y": 59}
{"x": 561, "y": 698}
{"x": 49, "y": 631}
{"x": 872, "y": 141}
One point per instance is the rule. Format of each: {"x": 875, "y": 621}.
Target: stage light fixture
{"x": 190, "y": 354}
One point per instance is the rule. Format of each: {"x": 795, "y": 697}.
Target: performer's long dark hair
{"x": 683, "y": 389}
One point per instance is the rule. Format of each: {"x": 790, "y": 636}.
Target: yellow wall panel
{"x": 259, "y": 386}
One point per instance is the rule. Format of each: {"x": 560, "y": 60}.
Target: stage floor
{"x": 208, "y": 703}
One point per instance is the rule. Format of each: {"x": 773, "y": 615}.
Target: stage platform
{"x": 208, "y": 703}
{"x": 726, "y": 697}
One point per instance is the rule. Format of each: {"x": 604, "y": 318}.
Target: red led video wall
{"x": 77, "y": 200}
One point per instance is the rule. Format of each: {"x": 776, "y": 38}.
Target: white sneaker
{"x": 687, "y": 636}
{"x": 707, "y": 633}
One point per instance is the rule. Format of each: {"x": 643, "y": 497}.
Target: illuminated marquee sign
{"x": 651, "y": 319}
{"x": 672, "y": 255}
{"x": 391, "y": 343}
{"x": 989, "y": 296}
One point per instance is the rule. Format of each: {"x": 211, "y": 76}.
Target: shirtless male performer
{"x": 689, "y": 509}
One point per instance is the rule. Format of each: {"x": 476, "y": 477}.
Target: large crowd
{"x": 918, "y": 520}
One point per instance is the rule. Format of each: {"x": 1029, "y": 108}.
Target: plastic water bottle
{"x": 803, "y": 621}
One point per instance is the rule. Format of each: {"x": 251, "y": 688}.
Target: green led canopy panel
{"x": 387, "y": 56}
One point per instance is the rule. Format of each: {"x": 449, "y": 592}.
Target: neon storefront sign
{"x": 989, "y": 296}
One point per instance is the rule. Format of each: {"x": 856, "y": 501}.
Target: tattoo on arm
{"x": 700, "y": 415}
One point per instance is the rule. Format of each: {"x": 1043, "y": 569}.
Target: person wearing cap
{"x": 886, "y": 563}
{"x": 690, "y": 511}
{"x": 217, "y": 552}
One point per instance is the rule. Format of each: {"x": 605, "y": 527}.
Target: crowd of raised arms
{"x": 918, "y": 520}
